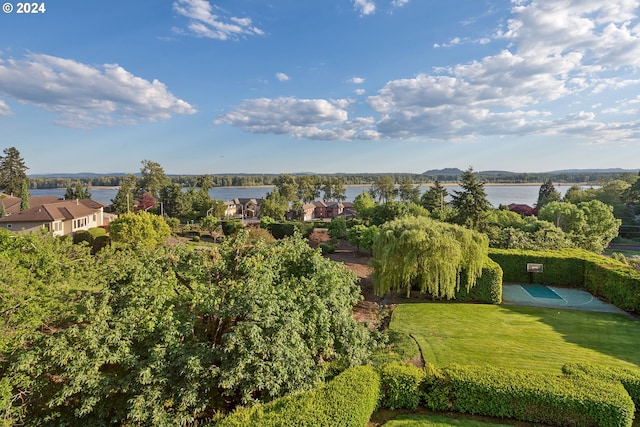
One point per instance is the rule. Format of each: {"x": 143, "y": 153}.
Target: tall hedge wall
{"x": 604, "y": 277}
{"x": 488, "y": 287}
{"x": 348, "y": 400}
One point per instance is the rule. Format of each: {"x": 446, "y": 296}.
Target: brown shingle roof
{"x": 58, "y": 210}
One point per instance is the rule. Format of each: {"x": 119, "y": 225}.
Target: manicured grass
{"x": 527, "y": 338}
{"x": 436, "y": 421}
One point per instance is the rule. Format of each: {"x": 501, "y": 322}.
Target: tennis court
{"x": 539, "y": 295}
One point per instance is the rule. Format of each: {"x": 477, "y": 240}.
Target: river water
{"x": 498, "y": 194}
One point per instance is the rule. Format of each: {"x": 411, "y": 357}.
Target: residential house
{"x": 60, "y": 217}
{"x": 12, "y": 203}
{"x": 244, "y": 208}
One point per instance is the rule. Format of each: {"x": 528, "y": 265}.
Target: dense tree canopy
{"x": 13, "y": 171}
{"x": 175, "y": 337}
{"x": 471, "y": 202}
{"x": 589, "y": 225}
{"x": 417, "y": 252}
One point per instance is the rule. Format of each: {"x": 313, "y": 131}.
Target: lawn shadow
{"x": 610, "y": 334}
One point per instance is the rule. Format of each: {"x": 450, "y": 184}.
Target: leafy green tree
{"x": 408, "y": 192}
{"x": 209, "y": 223}
{"x": 177, "y": 337}
{"x": 362, "y": 236}
{"x": 471, "y": 203}
{"x": 600, "y": 226}
{"x": 308, "y": 188}
{"x": 175, "y": 201}
{"x": 435, "y": 197}
{"x": 363, "y": 204}
{"x": 24, "y": 196}
{"x": 124, "y": 200}
{"x": 287, "y": 186}
{"x": 153, "y": 178}
{"x": 139, "y": 229}
{"x": 417, "y": 252}
{"x": 77, "y": 192}
{"x": 547, "y": 193}
{"x": 274, "y": 206}
{"x": 3, "y": 210}
{"x": 612, "y": 193}
{"x": 384, "y": 212}
{"x": 12, "y": 171}
{"x": 563, "y": 215}
{"x": 337, "y": 228}
{"x": 384, "y": 189}
{"x": 576, "y": 194}
{"x": 333, "y": 189}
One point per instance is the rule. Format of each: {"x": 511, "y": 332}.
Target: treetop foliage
{"x": 168, "y": 336}
{"x": 428, "y": 255}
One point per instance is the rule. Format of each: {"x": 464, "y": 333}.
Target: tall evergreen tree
{"x": 471, "y": 202}
{"x": 434, "y": 197}
{"x": 547, "y": 193}
{"x": 12, "y": 171}
{"x": 24, "y": 196}
{"x": 3, "y": 210}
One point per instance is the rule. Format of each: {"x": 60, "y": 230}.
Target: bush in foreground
{"x": 348, "y": 400}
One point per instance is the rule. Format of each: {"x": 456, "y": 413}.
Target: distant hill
{"x": 445, "y": 171}
{"x": 610, "y": 170}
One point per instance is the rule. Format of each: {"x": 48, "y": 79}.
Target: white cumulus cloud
{"x": 204, "y": 22}
{"x": 565, "y": 53}
{"x": 319, "y": 119}
{"x": 282, "y": 77}
{"x": 87, "y": 96}
{"x": 365, "y": 7}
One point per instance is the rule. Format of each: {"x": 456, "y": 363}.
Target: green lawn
{"x": 518, "y": 337}
{"x": 436, "y": 421}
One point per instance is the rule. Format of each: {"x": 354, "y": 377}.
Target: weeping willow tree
{"x": 426, "y": 254}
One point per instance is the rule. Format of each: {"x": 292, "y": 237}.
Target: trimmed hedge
{"x": 562, "y": 268}
{"x": 400, "y": 385}
{"x": 629, "y": 378}
{"x": 488, "y": 287}
{"x": 528, "y": 396}
{"x": 604, "y": 277}
{"x": 348, "y": 400}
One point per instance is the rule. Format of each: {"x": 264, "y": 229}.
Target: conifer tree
{"x": 12, "y": 171}
{"x": 471, "y": 202}
{"x": 24, "y": 196}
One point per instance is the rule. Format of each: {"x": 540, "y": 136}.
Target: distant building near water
{"x": 522, "y": 209}
{"x": 59, "y": 217}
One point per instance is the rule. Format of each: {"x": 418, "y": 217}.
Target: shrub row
{"x": 521, "y": 395}
{"x": 348, "y": 400}
{"x": 488, "y": 287}
{"x": 604, "y": 277}
{"x": 280, "y": 230}
{"x": 629, "y": 378}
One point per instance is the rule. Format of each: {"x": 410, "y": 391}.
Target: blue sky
{"x": 327, "y": 86}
